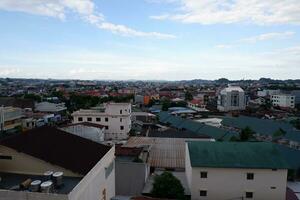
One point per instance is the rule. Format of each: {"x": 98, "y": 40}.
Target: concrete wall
{"x": 230, "y": 183}
{"x": 26, "y": 164}
{"x": 130, "y": 178}
{"x": 20, "y": 195}
{"x": 95, "y": 185}
{"x": 88, "y": 132}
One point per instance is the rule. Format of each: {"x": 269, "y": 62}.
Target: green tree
{"x": 279, "y": 132}
{"x": 33, "y": 97}
{"x": 167, "y": 185}
{"x": 188, "y": 96}
{"x": 246, "y": 134}
{"x": 166, "y": 104}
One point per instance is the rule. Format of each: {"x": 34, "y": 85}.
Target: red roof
{"x": 128, "y": 151}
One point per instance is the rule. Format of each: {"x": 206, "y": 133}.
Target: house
{"x": 197, "y": 104}
{"x": 50, "y": 164}
{"x": 235, "y": 170}
{"x": 10, "y": 118}
{"x": 231, "y": 98}
{"x": 283, "y": 100}
{"x": 115, "y": 117}
{"x": 50, "y": 107}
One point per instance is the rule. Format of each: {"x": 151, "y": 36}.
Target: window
{"x": 98, "y": 119}
{"x": 121, "y": 119}
{"x": 250, "y": 176}
{"x": 122, "y": 127}
{"x": 203, "y": 193}
{"x": 121, "y": 111}
{"x": 80, "y": 119}
{"x": 106, "y": 119}
{"x": 203, "y": 174}
{"x": 273, "y": 188}
{"x": 274, "y": 169}
{"x": 249, "y": 195}
{"x": 106, "y": 127}
{"x": 89, "y": 119}
{"x": 103, "y": 194}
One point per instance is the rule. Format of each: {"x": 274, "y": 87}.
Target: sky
{"x": 150, "y": 39}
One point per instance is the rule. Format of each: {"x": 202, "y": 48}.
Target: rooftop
{"x": 257, "y": 155}
{"x": 11, "y": 181}
{"x": 58, "y": 147}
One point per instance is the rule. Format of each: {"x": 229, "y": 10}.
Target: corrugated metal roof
{"x": 196, "y": 127}
{"x": 263, "y": 126}
{"x": 259, "y": 155}
{"x": 164, "y": 152}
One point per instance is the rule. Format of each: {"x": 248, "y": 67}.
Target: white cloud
{"x": 6, "y": 71}
{"x": 258, "y": 38}
{"x": 84, "y": 8}
{"x": 262, "y": 12}
{"x": 269, "y": 36}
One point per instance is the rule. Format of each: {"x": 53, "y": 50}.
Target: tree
{"x": 167, "y": 185}
{"x": 188, "y": 96}
{"x": 246, "y": 134}
{"x": 279, "y": 132}
{"x": 166, "y": 104}
{"x": 34, "y": 97}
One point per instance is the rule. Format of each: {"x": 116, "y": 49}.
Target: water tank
{"x": 58, "y": 178}
{"x": 35, "y": 186}
{"x": 46, "y": 186}
{"x": 48, "y": 175}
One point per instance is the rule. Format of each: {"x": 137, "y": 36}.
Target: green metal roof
{"x": 196, "y": 127}
{"x": 263, "y": 126}
{"x": 257, "y": 155}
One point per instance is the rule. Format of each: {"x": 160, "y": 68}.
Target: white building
{"x": 116, "y": 117}
{"x": 232, "y": 170}
{"x": 50, "y": 107}
{"x": 267, "y": 93}
{"x": 10, "y": 118}
{"x": 283, "y": 100}
{"x": 231, "y": 98}
{"x": 86, "y": 169}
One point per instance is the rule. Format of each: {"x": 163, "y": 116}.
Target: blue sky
{"x": 150, "y": 39}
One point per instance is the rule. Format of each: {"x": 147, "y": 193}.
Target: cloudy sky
{"x": 150, "y": 39}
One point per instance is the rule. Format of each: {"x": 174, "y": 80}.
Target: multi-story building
{"x": 231, "y": 98}
{"x": 283, "y": 100}
{"x": 10, "y": 118}
{"x": 115, "y": 117}
{"x": 50, "y": 164}
{"x": 235, "y": 170}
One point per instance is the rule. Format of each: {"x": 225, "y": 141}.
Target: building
{"x": 231, "y": 98}
{"x": 283, "y": 100}
{"x": 10, "y": 118}
{"x": 50, "y": 107}
{"x": 115, "y": 117}
{"x": 197, "y": 104}
{"x": 84, "y": 169}
{"x": 90, "y": 131}
{"x": 235, "y": 170}
{"x": 267, "y": 93}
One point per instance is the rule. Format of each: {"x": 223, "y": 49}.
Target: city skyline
{"x": 149, "y": 39}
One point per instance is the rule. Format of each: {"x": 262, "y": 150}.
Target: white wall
{"x": 115, "y": 119}
{"x": 88, "y": 132}
{"x": 227, "y": 103}
{"x": 232, "y": 183}
{"x": 285, "y": 101}
{"x": 95, "y": 182}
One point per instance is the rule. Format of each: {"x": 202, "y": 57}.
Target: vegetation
{"x": 279, "y": 132}
{"x": 168, "y": 186}
{"x": 246, "y": 134}
{"x": 296, "y": 123}
{"x": 34, "y": 97}
{"x": 188, "y": 96}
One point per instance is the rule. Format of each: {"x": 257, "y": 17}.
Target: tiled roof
{"x": 257, "y": 155}
{"x": 59, "y": 148}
